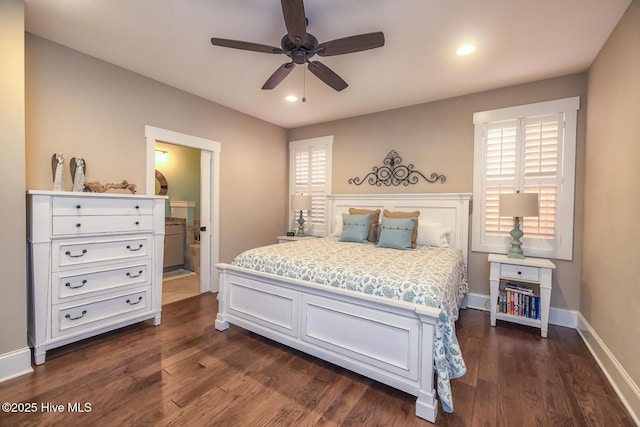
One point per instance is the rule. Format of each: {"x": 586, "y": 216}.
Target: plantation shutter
{"x": 311, "y": 170}
{"x": 542, "y": 139}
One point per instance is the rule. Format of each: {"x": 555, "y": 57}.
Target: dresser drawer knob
{"x": 137, "y": 222}
{"x": 519, "y": 272}
{"x": 134, "y": 303}
{"x": 134, "y": 249}
{"x": 68, "y": 316}
{"x": 137, "y": 207}
{"x": 68, "y": 285}
{"x": 78, "y": 206}
{"x": 137, "y": 275}
{"x": 68, "y": 253}
{"x": 78, "y": 225}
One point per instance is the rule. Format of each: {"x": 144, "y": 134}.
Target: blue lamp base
{"x": 516, "y": 245}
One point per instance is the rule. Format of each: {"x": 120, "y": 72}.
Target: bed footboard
{"x": 388, "y": 341}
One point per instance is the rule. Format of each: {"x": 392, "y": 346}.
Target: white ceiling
{"x": 517, "y": 41}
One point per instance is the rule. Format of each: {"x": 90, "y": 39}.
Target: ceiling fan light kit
{"x": 301, "y": 46}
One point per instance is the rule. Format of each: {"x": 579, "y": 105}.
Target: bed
{"x": 360, "y": 313}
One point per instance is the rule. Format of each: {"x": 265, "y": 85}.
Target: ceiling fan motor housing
{"x": 299, "y": 53}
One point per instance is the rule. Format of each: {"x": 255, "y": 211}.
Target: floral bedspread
{"x": 430, "y": 276}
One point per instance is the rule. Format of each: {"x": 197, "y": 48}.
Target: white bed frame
{"x": 386, "y": 340}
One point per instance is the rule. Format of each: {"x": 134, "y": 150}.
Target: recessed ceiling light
{"x": 466, "y": 49}
{"x": 291, "y": 98}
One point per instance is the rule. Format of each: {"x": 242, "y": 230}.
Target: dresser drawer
{"x": 520, "y": 272}
{"x": 81, "y": 316}
{"x": 81, "y": 284}
{"x": 75, "y": 252}
{"x": 80, "y": 206}
{"x": 78, "y": 226}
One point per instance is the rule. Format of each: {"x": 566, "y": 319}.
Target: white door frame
{"x": 209, "y": 189}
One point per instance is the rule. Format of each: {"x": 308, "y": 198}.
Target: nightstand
{"x": 289, "y": 239}
{"x": 520, "y": 290}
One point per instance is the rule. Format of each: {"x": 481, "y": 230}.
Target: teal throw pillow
{"x": 396, "y": 232}
{"x": 355, "y": 228}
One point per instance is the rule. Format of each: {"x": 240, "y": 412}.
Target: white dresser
{"x": 95, "y": 264}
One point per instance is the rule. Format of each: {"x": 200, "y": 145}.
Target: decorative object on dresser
{"x": 393, "y": 173}
{"x": 95, "y": 265}
{"x": 57, "y": 170}
{"x": 518, "y": 205}
{"x": 300, "y": 203}
{"x": 78, "y": 168}
{"x": 96, "y": 187}
{"x": 520, "y": 290}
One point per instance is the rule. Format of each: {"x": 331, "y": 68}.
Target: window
{"x": 310, "y": 174}
{"x": 529, "y": 148}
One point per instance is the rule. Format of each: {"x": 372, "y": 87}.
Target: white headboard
{"x": 449, "y": 208}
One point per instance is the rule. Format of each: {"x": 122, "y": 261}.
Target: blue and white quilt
{"x": 430, "y": 276}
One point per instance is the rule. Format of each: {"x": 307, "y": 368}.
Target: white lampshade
{"x": 519, "y": 204}
{"x": 300, "y": 202}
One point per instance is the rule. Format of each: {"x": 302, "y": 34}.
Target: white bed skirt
{"x": 385, "y": 340}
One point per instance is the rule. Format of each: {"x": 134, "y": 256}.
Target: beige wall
{"x": 80, "y": 105}
{"x": 13, "y": 306}
{"x": 610, "y": 300}
{"x": 438, "y": 137}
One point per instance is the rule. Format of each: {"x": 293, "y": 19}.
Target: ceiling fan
{"x": 301, "y": 46}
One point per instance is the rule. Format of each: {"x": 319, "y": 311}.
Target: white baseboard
{"x": 557, "y": 316}
{"x": 625, "y": 388}
{"x": 15, "y": 363}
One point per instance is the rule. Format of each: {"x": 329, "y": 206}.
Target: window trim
{"x": 327, "y": 143}
{"x": 563, "y": 246}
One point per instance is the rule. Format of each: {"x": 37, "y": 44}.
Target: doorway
{"x": 208, "y": 232}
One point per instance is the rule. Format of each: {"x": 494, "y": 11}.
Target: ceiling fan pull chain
{"x": 304, "y": 84}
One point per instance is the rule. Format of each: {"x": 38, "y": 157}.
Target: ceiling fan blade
{"x": 327, "y": 75}
{"x": 280, "y": 74}
{"x": 295, "y": 20}
{"x": 351, "y": 44}
{"x": 237, "y": 44}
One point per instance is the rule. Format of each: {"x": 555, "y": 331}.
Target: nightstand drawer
{"x": 520, "y": 272}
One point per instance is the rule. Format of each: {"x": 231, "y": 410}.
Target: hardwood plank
{"x": 184, "y": 372}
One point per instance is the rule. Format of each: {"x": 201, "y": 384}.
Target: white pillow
{"x": 433, "y": 234}
{"x": 337, "y": 225}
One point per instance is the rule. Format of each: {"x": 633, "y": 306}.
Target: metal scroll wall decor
{"x": 394, "y": 173}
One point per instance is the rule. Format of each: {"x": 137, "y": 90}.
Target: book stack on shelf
{"x": 518, "y": 300}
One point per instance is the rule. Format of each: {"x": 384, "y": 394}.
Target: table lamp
{"x": 300, "y": 203}
{"x": 518, "y": 205}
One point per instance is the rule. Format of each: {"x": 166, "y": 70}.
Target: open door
{"x": 209, "y": 195}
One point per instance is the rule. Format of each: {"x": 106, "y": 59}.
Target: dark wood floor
{"x": 185, "y": 373}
